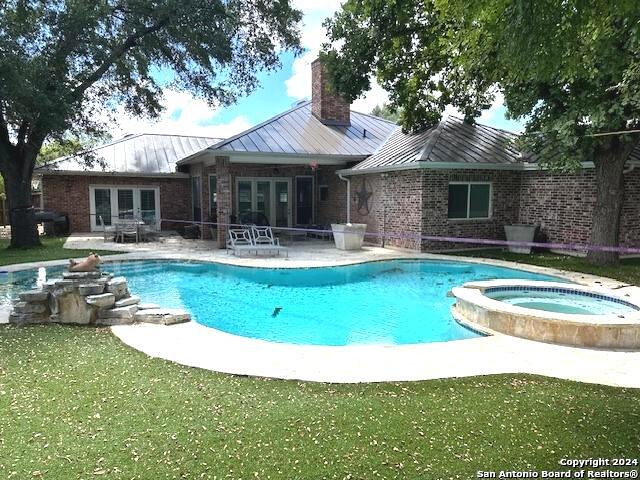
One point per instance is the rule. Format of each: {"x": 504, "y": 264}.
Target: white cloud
{"x": 184, "y": 114}
{"x": 376, "y": 96}
{"x": 313, "y": 35}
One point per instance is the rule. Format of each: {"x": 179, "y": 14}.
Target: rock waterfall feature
{"x": 89, "y": 298}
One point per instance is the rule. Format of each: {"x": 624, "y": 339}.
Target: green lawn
{"x": 76, "y": 403}
{"x": 627, "y": 271}
{"x": 51, "y": 249}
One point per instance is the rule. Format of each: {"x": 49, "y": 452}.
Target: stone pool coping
{"x": 203, "y": 347}
{"x": 478, "y": 311}
{"x": 475, "y": 292}
{"x": 195, "y": 345}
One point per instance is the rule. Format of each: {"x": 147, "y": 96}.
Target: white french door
{"x": 109, "y": 203}
{"x": 267, "y": 195}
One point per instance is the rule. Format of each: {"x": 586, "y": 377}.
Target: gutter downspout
{"x": 348, "y": 180}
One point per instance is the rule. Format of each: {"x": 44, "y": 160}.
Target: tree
{"x": 65, "y": 146}
{"x": 387, "y": 112}
{"x": 62, "y": 63}
{"x": 570, "y": 70}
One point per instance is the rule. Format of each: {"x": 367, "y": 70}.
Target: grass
{"x": 52, "y": 248}
{"x": 76, "y": 403}
{"x": 627, "y": 271}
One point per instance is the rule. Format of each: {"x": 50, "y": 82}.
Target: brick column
{"x": 225, "y": 197}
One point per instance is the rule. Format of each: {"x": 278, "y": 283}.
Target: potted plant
{"x": 520, "y": 233}
{"x": 348, "y": 236}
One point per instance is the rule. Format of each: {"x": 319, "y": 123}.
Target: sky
{"x": 279, "y": 90}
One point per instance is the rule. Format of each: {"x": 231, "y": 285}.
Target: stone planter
{"x": 348, "y": 236}
{"x": 520, "y": 233}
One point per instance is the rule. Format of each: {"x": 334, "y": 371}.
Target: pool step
{"x": 147, "y": 306}
{"x": 121, "y": 314}
{"x": 124, "y": 302}
{"x": 103, "y": 300}
{"x": 162, "y": 316}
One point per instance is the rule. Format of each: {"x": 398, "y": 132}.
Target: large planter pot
{"x": 520, "y": 233}
{"x": 348, "y": 236}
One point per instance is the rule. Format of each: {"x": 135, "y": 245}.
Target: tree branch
{"x": 22, "y": 132}
{"x": 129, "y": 43}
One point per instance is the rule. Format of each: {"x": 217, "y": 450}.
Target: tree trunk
{"x": 17, "y": 185}
{"x": 609, "y": 164}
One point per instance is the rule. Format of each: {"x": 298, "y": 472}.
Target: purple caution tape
{"x": 434, "y": 238}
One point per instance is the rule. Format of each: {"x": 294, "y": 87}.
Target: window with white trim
{"x": 469, "y": 200}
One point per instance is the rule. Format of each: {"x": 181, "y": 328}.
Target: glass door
{"x": 263, "y": 199}
{"x": 125, "y": 203}
{"x": 102, "y": 202}
{"x": 148, "y": 209}
{"x": 266, "y": 196}
{"x": 245, "y": 197}
{"x": 111, "y": 203}
{"x": 304, "y": 200}
{"x": 282, "y": 203}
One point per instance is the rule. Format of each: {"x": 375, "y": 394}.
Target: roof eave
{"x": 89, "y": 173}
{"x": 453, "y": 166}
{"x": 273, "y": 158}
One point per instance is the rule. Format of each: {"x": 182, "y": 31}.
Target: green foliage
{"x": 66, "y": 146}
{"x": 62, "y": 62}
{"x": 387, "y": 112}
{"x": 568, "y": 69}
{"x": 627, "y": 271}
{"x": 78, "y": 403}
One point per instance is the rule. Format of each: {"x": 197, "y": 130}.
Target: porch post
{"x": 224, "y": 198}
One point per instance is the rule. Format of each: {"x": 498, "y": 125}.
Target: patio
{"x": 302, "y": 252}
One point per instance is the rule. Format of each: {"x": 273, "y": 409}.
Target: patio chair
{"x": 239, "y": 240}
{"x": 106, "y": 232}
{"x": 148, "y": 233}
{"x": 263, "y": 239}
{"x": 127, "y": 229}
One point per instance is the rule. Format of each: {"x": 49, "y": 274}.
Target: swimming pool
{"x": 387, "y": 302}
{"x": 560, "y": 300}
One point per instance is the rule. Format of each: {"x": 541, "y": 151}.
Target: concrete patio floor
{"x": 203, "y": 347}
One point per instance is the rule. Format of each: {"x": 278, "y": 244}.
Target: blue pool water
{"x": 389, "y": 302}
{"x": 576, "y": 303}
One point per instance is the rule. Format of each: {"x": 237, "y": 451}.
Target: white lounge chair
{"x": 263, "y": 239}
{"x": 239, "y": 240}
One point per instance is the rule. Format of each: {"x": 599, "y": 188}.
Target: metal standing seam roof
{"x": 450, "y": 141}
{"x": 145, "y": 153}
{"x": 298, "y": 132}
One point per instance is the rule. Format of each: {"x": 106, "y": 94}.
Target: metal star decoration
{"x": 363, "y": 198}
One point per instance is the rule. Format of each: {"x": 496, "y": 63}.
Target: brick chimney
{"x": 328, "y": 107}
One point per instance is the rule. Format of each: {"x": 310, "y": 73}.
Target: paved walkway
{"x": 198, "y": 346}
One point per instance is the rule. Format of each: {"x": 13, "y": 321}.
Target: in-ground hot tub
{"x": 550, "y": 312}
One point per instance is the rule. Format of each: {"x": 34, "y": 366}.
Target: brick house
{"x": 284, "y": 167}
{"x": 297, "y": 168}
